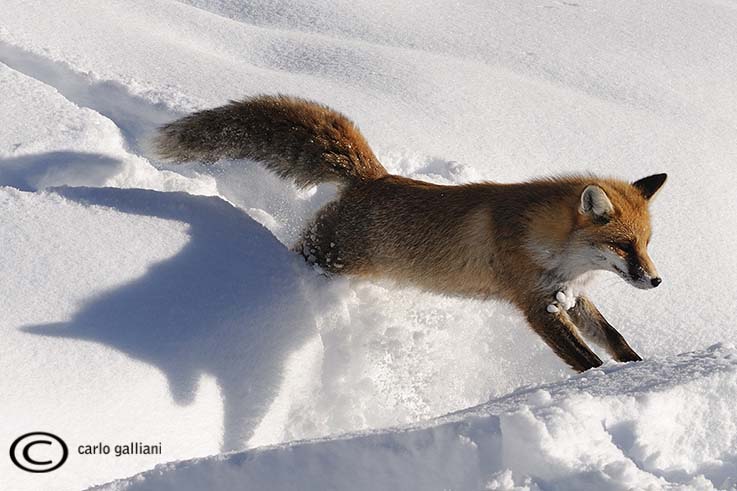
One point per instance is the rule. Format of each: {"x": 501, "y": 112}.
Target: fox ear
{"x": 650, "y": 185}
{"x": 595, "y": 203}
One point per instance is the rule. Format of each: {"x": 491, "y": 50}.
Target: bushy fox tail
{"x": 295, "y": 138}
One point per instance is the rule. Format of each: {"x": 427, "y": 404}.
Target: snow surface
{"x": 665, "y": 424}
{"x": 161, "y": 304}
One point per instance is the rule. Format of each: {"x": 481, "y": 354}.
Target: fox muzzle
{"x": 640, "y": 277}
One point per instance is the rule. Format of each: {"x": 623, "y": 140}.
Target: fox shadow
{"x": 232, "y": 304}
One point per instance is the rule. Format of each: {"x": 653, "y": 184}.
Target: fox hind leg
{"x": 318, "y": 244}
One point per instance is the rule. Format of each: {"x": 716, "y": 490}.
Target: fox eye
{"x": 621, "y": 247}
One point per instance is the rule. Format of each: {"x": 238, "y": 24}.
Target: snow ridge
{"x": 660, "y": 424}
{"x": 135, "y": 116}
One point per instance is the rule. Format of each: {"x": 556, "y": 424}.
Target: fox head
{"x": 614, "y": 224}
{"x": 586, "y": 223}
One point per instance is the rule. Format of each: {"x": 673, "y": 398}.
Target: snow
{"x": 565, "y": 300}
{"x": 662, "y": 424}
{"x": 161, "y": 304}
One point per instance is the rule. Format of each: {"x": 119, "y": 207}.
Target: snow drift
{"x": 665, "y": 424}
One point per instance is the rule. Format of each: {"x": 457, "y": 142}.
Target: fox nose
{"x": 656, "y": 281}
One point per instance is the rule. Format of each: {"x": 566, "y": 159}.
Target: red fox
{"x": 532, "y": 244}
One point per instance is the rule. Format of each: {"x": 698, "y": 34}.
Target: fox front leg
{"x": 560, "y": 333}
{"x": 594, "y": 326}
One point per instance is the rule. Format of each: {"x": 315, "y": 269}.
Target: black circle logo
{"x": 39, "y": 451}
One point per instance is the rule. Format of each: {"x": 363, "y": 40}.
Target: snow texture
{"x": 665, "y": 424}
{"x": 144, "y": 302}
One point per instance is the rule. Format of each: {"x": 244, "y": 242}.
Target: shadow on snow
{"x": 232, "y": 303}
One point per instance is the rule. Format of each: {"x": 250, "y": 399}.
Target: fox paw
{"x": 564, "y": 300}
